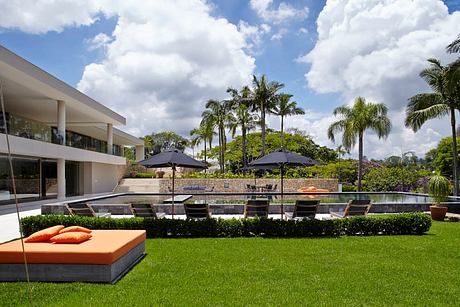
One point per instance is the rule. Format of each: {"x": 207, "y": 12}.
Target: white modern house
{"x": 63, "y": 142}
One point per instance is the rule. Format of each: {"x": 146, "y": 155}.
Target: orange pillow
{"x": 44, "y": 234}
{"x": 71, "y": 237}
{"x": 75, "y": 229}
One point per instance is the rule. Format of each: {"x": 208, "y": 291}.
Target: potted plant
{"x": 160, "y": 174}
{"x": 439, "y": 189}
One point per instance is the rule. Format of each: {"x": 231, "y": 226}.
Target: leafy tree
{"x": 441, "y": 157}
{"x": 441, "y": 102}
{"x": 397, "y": 178}
{"x": 242, "y": 118}
{"x": 354, "y": 121}
{"x": 161, "y": 141}
{"x": 128, "y": 153}
{"x": 264, "y": 101}
{"x": 286, "y": 107}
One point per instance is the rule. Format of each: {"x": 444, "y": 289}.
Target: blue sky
{"x": 317, "y": 72}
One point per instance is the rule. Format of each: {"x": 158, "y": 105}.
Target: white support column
{"x": 110, "y": 139}
{"x": 140, "y": 153}
{"x": 61, "y": 178}
{"x": 61, "y": 120}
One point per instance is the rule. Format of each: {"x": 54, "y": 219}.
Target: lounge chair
{"x": 355, "y": 207}
{"x": 145, "y": 210}
{"x": 303, "y": 209}
{"x": 256, "y": 207}
{"x": 82, "y": 209}
{"x": 197, "y": 211}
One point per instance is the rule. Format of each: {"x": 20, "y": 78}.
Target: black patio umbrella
{"x": 172, "y": 158}
{"x": 281, "y": 159}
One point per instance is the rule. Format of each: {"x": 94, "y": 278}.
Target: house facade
{"x": 63, "y": 143}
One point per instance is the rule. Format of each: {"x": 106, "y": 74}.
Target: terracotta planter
{"x": 438, "y": 213}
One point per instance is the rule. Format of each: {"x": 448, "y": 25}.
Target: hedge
{"x": 394, "y": 224}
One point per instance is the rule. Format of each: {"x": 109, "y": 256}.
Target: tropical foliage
{"x": 397, "y": 178}
{"x": 444, "y": 100}
{"x": 157, "y": 142}
{"x": 357, "y": 119}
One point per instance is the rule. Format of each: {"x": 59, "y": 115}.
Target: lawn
{"x": 391, "y": 270}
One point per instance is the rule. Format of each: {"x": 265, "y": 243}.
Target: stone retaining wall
{"x": 239, "y": 185}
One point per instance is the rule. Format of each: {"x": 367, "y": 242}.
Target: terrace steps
{"x": 138, "y": 185}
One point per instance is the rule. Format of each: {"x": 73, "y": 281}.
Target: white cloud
{"x": 101, "y": 40}
{"x": 284, "y": 12}
{"x": 165, "y": 60}
{"x": 374, "y": 49}
{"x": 41, "y": 16}
{"x": 279, "y": 35}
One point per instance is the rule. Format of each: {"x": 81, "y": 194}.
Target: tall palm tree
{"x": 444, "y": 100}
{"x": 217, "y": 115}
{"x": 286, "y": 107}
{"x": 265, "y": 95}
{"x": 202, "y": 134}
{"x": 357, "y": 119}
{"x": 454, "y": 46}
{"x": 242, "y": 117}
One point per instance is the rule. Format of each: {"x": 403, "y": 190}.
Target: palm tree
{"x": 341, "y": 151}
{"x": 442, "y": 101}
{"x": 242, "y": 117}
{"x": 286, "y": 107}
{"x": 201, "y": 135}
{"x": 217, "y": 116}
{"x": 264, "y": 100}
{"x": 454, "y": 46}
{"x": 357, "y": 119}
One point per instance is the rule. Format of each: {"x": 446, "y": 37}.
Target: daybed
{"x": 105, "y": 258}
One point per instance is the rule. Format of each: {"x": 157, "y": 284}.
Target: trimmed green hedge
{"x": 394, "y": 224}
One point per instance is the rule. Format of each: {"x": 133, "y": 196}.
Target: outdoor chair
{"x": 145, "y": 210}
{"x": 82, "y": 209}
{"x": 197, "y": 211}
{"x": 256, "y": 208}
{"x": 303, "y": 209}
{"x": 355, "y": 207}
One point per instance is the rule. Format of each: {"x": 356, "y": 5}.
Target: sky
{"x": 158, "y": 62}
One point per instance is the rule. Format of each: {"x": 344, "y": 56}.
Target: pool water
{"x": 240, "y": 199}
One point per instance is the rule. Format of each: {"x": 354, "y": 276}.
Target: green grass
{"x": 347, "y": 271}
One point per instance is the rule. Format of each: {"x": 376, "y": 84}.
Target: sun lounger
{"x": 355, "y": 207}
{"x": 256, "y": 208}
{"x": 303, "y": 209}
{"x": 84, "y": 210}
{"x": 104, "y": 258}
{"x": 197, "y": 211}
{"x": 145, "y": 210}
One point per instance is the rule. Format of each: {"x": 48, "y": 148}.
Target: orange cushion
{"x": 75, "y": 229}
{"x": 71, "y": 237}
{"x": 44, "y": 234}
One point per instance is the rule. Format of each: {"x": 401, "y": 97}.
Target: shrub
{"x": 396, "y": 224}
{"x": 145, "y": 175}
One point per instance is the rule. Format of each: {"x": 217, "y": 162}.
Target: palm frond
{"x": 454, "y": 46}
{"x": 423, "y": 107}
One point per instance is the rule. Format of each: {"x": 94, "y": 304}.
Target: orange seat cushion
{"x": 105, "y": 247}
{"x": 44, "y": 235}
{"x": 75, "y": 229}
{"x": 71, "y": 237}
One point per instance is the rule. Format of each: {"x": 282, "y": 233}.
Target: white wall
{"x": 101, "y": 177}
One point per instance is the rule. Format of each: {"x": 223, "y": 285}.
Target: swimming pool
{"x": 239, "y": 198}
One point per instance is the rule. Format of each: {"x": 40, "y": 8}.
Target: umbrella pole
{"x": 282, "y": 191}
{"x": 172, "y": 208}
